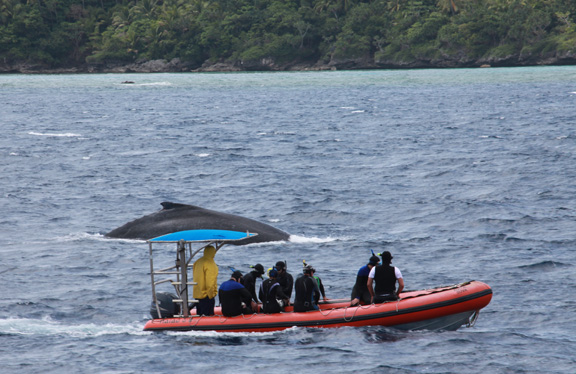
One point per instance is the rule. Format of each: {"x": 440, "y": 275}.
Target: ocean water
{"x": 461, "y": 174}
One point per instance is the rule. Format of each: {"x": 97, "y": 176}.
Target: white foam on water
{"x": 304, "y": 239}
{"x": 216, "y": 334}
{"x": 46, "y": 326}
{"x": 66, "y": 134}
{"x": 154, "y": 84}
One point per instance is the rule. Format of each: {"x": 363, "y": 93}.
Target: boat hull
{"x": 443, "y": 308}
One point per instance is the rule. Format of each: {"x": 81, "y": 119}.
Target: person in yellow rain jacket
{"x": 205, "y": 274}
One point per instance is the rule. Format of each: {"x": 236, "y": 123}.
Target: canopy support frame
{"x": 184, "y": 256}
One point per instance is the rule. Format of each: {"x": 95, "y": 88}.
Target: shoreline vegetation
{"x": 146, "y": 36}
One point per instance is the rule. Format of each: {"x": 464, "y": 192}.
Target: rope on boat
{"x": 327, "y": 314}
{"x": 224, "y": 319}
{"x": 427, "y": 292}
{"x": 249, "y": 316}
{"x": 197, "y": 320}
{"x": 438, "y": 290}
{"x": 356, "y": 309}
{"x": 471, "y": 321}
{"x": 346, "y": 319}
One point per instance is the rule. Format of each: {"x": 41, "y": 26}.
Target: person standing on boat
{"x": 235, "y": 299}
{"x": 307, "y": 292}
{"x": 385, "y": 277}
{"x": 250, "y": 280}
{"x": 360, "y": 291}
{"x": 271, "y": 295}
{"x": 284, "y": 278}
{"x": 205, "y": 275}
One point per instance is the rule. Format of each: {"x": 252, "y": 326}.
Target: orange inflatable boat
{"x": 442, "y": 308}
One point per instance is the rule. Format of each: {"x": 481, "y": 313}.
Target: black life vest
{"x": 385, "y": 279}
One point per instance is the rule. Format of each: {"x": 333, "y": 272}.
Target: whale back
{"x": 179, "y": 217}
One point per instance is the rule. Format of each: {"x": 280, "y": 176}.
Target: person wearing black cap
{"x": 273, "y": 299}
{"x": 284, "y": 278}
{"x": 307, "y": 292}
{"x": 235, "y": 298}
{"x": 360, "y": 291}
{"x": 385, "y": 277}
{"x": 250, "y": 280}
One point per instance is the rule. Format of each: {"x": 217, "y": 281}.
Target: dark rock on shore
{"x": 143, "y": 66}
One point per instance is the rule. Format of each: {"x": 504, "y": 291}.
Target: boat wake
{"x": 216, "y": 334}
{"x": 48, "y": 327}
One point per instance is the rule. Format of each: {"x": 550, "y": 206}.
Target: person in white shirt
{"x": 385, "y": 276}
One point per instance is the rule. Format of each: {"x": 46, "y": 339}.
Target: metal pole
{"x": 183, "y": 277}
{"x": 152, "y": 278}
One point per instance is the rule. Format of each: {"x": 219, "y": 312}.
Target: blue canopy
{"x": 203, "y": 236}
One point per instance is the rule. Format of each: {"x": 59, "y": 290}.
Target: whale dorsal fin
{"x": 166, "y": 205}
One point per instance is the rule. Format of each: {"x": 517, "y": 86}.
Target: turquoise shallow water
{"x": 461, "y": 174}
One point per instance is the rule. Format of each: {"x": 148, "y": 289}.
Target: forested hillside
{"x": 97, "y": 35}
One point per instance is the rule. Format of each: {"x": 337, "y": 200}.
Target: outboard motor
{"x": 167, "y": 307}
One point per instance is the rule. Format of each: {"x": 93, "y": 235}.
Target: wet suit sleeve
{"x": 246, "y": 296}
{"x": 289, "y": 285}
{"x": 280, "y": 294}
{"x": 261, "y": 292}
{"x": 316, "y": 292}
{"x": 253, "y": 292}
{"x": 321, "y": 287}
{"x": 250, "y": 284}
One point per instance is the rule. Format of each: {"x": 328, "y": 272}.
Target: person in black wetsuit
{"x": 318, "y": 282}
{"x": 360, "y": 291}
{"x": 235, "y": 298}
{"x": 385, "y": 277}
{"x": 306, "y": 292}
{"x": 284, "y": 278}
{"x": 273, "y": 299}
{"x": 250, "y": 280}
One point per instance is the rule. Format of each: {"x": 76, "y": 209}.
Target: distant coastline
{"x": 153, "y": 36}
{"x": 177, "y": 66}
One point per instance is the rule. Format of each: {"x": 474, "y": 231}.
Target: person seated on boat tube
{"x": 205, "y": 274}
{"x": 307, "y": 292}
{"x": 273, "y": 299}
{"x": 318, "y": 282}
{"x": 284, "y": 278}
{"x": 250, "y": 280}
{"x": 385, "y": 277}
{"x": 360, "y": 293}
{"x": 235, "y": 298}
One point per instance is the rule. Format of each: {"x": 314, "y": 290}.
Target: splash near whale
{"x": 179, "y": 217}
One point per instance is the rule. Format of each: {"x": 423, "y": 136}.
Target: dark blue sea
{"x": 463, "y": 175}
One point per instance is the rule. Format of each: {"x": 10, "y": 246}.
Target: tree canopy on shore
{"x": 256, "y": 33}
